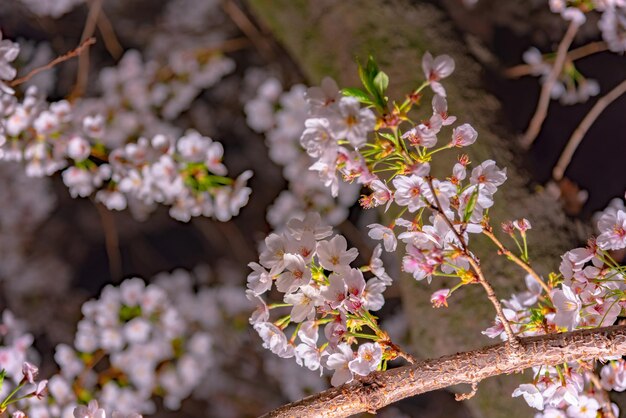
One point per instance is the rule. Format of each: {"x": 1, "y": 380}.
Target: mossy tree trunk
{"x": 325, "y": 37}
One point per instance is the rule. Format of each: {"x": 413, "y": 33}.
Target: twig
{"x": 227, "y": 45}
{"x": 244, "y": 24}
{"x": 491, "y": 294}
{"x": 83, "y": 60}
{"x": 573, "y": 55}
{"x": 607, "y": 410}
{"x": 383, "y": 388}
{"x": 69, "y": 55}
{"x": 489, "y": 232}
{"x": 112, "y": 242}
{"x": 544, "y": 98}
{"x": 585, "y": 125}
{"x": 438, "y": 208}
{"x": 111, "y": 43}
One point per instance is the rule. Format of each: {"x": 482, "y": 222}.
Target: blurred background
{"x": 56, "y": 252}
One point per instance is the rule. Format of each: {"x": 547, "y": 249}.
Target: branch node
{"x": 465, "y": 396}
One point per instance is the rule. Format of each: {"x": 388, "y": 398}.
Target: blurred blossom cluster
{"x": 280, "y": 116}
{"x": 97, "y": 156}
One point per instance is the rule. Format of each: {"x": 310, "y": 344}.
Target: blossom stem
{"x": 525, "y": 252}
{"x": 487, "y": 230}
{"x": 7, "y": 400}
{"x": 445, "y": 147}
{"x": 407, "y": 101}
{"x": 278, "y": 305}
{"x": 361, "y": 335}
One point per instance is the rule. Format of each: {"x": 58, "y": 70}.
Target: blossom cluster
{"x": 313, "y": 270}
{"x": 314, "y": 273}
{"x": 368, "y": 146}
{"x": 395, "y": 168}
{"x": 570, "y": 88}
{"x": 135, "y": 342}
{"x": 281, "y": 117}
{"x": 588, "y": 293}
{"x": 612, "y": 28}
{"x": 95, "y": 153}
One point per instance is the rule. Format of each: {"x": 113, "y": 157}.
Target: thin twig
{"x": 227, "y": 45}
{"x": 607, "y": 409}
{"x": 544, "y": 98}
{"x": 112, "y": 242}
{"x": 244, "y": 24}
{"x": 438, "y": 209}
{"x": 573, "y": 55}
{"x": 111, "y": 43}
{"x": 83, "y": 60}
{"x": 383, "y": 388}
{"x": 491, "y": 295}
{"x": 69, "y": 55}
{"x": 585, "y": 125}
{"x": 489, "y": 233}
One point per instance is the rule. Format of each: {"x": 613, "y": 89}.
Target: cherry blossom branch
{"x": 383, "y": 388}
{"x": 573, "y": 55}
{"x": 544, "y": 98}
{"x": 69, "y": 55}
{"x": 487, "y": 230}
{"x": 491, "y": 294}
{"x": 585, "y": 125}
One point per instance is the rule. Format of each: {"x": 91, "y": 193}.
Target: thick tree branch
{"x": 383, "y": 388}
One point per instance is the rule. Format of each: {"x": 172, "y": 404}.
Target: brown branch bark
{"x": 383, "y": 388}
{"x": 585, "y": 125}
{"x": 544, "y": 98}
{"x": 73, "y": 53}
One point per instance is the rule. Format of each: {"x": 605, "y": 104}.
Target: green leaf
{"x": 381, "y": 81}
{"x": 375, "y": 82}
{"x": 359, "y": 94}
{"x": 388, "y": 136}
{"x": 469, "y": 209}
